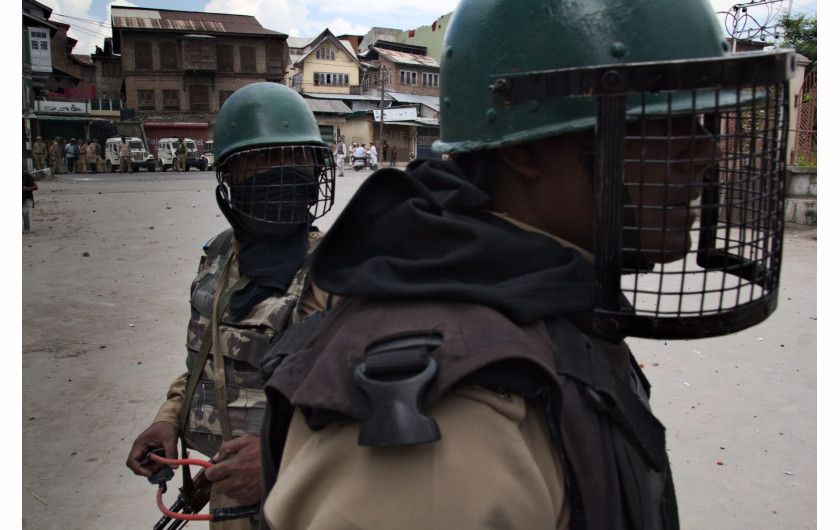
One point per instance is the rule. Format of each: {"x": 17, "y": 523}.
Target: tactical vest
{"x": 594, "y": 395}
{"x": 244, "y": 343}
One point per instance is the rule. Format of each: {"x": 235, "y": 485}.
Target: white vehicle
{"x": 168, "y": 154}
{"x": 208, "y": 154}
{"x": 140, "y": 156}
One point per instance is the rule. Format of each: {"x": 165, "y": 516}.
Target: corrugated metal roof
{"x": 298, "y": 42}
{"x": 348, "y": 47}
{"x": 327, "y": 105}
{"x": 418, "y": 122}
{"x": 429, "y": 101}
{"x": 409, "y": 58}
{"x": 190, "y": 21}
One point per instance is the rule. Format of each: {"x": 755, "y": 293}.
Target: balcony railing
{"x": 106, "y": 104}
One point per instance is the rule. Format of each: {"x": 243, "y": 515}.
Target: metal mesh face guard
{"x": 689, "y": 189}
{"x": 280, "y": 185}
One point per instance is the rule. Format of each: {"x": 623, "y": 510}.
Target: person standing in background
{"x": 29, "y": 185}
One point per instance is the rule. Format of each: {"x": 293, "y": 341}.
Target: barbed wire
{"x": 740, "y": 24}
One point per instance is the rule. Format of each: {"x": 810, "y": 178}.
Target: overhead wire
{"x": 94, "y": 22}
{"x": 100, "y": 31}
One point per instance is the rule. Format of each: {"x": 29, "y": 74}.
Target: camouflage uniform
{"x": 245, "y": 342}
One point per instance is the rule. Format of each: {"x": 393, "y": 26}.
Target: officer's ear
{"x": 521, "y": 159}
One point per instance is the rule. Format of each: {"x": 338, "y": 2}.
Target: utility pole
{"x": 382, "y": 71}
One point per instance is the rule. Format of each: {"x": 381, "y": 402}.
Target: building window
{"x": 89, "y": 75}
{"x": 224, "y": 57}
{"x": 146, "y": 99}
{"x": 223, "y": 96}
{"x": 330, "y": 79}
{"x": 171, "y": 100}
{"x": 142, "y": 56}
{"x": 111, "y": 69}
{"x": 199, "y": 98}
{"x": 39, "y": 56}
{"x": 248, "y": 59}
{"x": 168, "y": 56}
{"x": 276, "y": 63}
{"x": 430, "y": 80}
{"x": 201, "y": 55}
{"x": 408, "y": 78}
{"x": 325, "y": 52}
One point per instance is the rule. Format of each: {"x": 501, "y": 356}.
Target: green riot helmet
{"x": 689, "y": 147}
{"x": 550, "y": 35}
{"x": 272, "y": 164}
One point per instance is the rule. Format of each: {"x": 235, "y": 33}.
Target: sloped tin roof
{"x": 186, "y": 21}
{"x": 402, "y": 97}
{"x": 409, "y": 58}
{"x": 328, "y": 106}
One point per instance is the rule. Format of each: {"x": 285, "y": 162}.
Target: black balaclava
{"x": 270, "y": 253}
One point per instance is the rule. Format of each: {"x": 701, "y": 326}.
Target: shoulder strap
{"x": 637, "y": 481}
{"x": 220, "y": 303}
{"x": 219, "y": 383}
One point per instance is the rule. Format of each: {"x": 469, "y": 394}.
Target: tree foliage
{"x": 801, "y": 35}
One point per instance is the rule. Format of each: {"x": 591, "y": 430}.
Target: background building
{"x": 324, "y": 65}
{"x": 181, "y": 66}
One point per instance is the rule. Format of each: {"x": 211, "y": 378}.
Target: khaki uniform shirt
{"x": 495, "y": 466}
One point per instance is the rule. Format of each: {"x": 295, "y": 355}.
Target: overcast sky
{"x": 90, "y": 19}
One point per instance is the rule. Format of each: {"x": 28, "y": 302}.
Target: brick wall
{"x": 158, "y": 79}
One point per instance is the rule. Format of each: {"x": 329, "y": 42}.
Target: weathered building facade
{"x": 405, "y": 69}
{"x": 180, "y": 65}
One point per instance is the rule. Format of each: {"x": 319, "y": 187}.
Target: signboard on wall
{"x": 64, "y": 107}
{"x": 397, "y": 114}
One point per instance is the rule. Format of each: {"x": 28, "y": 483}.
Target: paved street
{"x": 106, "y": 276}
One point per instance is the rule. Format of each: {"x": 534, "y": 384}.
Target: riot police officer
{"x": 275, "y": 176}
{"x": 616, "y": 173}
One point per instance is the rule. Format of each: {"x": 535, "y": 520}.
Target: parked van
{"x": 168, "y": 157}
{"x": 140, "y": 156}
{"x": 208, "y": 154}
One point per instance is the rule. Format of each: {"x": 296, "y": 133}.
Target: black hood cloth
{"x": 269, "y": 256}
{"x": 427, "y": 233}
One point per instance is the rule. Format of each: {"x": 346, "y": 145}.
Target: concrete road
{"x": 106, "y": 276}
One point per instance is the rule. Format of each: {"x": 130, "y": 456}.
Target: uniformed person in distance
{"x": 275, "y": 177}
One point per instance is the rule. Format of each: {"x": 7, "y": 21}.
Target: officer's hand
{"x": 237, "y": 472}
{"x": 159, "y": 434}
